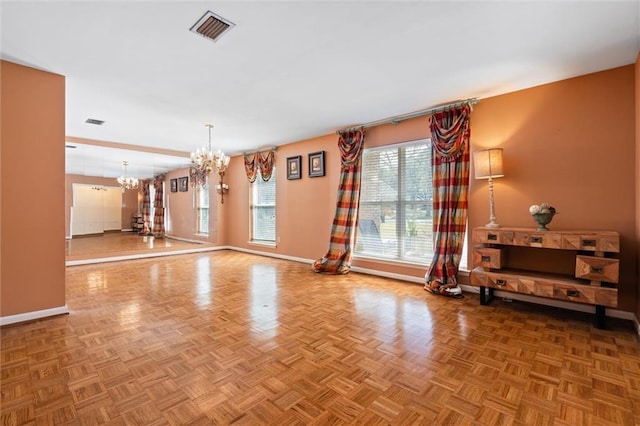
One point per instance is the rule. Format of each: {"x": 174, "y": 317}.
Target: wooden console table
{"x": 505, "y": 259}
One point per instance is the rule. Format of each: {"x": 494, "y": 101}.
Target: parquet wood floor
{"x": 231, "y": 338}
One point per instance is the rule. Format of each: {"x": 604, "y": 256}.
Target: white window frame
{"x": 254, "y": 207}
{"x": 397, "y": 254}
{"x": 200, "y": 223}
{"x": 394, "y": 249}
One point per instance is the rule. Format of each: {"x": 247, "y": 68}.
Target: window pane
{"x": 203, "y": 221}
{"x": 263, "y": 209}
{"x": 395, "y": 203}
{"x": 202, "y": 209}
{"x": 264, "y": 219}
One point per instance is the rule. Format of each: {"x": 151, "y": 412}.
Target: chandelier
{"x": 205, "y": 160}
{"x": 127, "y": 182}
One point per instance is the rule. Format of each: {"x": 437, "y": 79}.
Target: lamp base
{"x": 492, "y": 224}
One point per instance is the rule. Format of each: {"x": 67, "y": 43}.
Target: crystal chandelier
{"x": 205, "y": 160}
{"x": 127, "y": 182}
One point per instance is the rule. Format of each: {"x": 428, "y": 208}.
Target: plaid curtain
{"x": 338, "y": 258}
{"x": 450, "y": 132}
{"x": 146, "y": 205}
{"x": 265, "y": 161}
{"x": 158, "y": 203}
{"x": 251, "y": 166}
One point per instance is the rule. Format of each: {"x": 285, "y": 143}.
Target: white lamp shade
{"x": 488, "y": 163}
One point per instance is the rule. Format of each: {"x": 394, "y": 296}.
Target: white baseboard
{"x": 186, "y": 240}
{"x": 29, "y": 316}
{"x": 140, "y": 256}
{"x": 268, "y": 254}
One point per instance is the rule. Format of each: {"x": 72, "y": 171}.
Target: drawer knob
{"x": 492, "y": 237}
{"x": 501, "y": 283}
{"x": 485, "y": 258}
{"x": 589, "y": 243}
{"x": 597, "y": 270}
{"x": 536, "y": 240}
{"x": 573, "y": 293}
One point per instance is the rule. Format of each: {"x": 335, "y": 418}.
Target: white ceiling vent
{"x": 211, "y": 26}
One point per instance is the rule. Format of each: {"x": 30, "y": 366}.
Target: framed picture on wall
{"x": 293, "y": 167}
{"x": 184, "y": 184}
{"x": 174, "y": 185}
{"x": 316, "y": 164}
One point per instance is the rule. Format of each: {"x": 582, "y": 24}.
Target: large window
{"x": 395, "y": 220}
{"x": 263, "y": 210}
{"x": 202, "y": 209}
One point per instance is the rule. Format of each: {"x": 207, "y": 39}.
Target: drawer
{"x": 487, "y": 236}
{"x": 604, "y": 243}
{"x": 597, "y": 268}
{"x": 502, "y": 282}
{"x": 586, "y": 294}
{"x": 535, "y": 287}
{"x": 487, "y": 257}
{"x": 546, "y": 240}
{"x": 492, "y": 236}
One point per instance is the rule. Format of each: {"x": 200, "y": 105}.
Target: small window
{"x": 263, "y": 210}
{"x": 202, "y": 209}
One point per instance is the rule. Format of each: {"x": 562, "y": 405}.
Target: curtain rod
{"x": 271, "y": 148}
{"x": 399, "y": 118}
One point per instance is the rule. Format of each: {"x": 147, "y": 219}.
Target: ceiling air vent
{"x": 94, "y": 121}
{"x": 211, "y": 26}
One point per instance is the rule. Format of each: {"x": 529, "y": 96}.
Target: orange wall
{"x": 569, "y": 143}
{"x": 32, "y": 228}
{"x": 129, "y": 198}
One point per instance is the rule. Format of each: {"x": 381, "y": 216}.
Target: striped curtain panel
{"x": 338, "y": 258}
{"x": 450, "y": 133}
{"x": 158, "y": 203}
{"x": 146, "y": 205}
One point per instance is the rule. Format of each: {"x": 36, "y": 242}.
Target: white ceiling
{"x": 294, "y": 70}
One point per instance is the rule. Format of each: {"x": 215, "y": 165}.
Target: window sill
{"x": 389, "y": 261}
{"x": 262, "y": 243}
